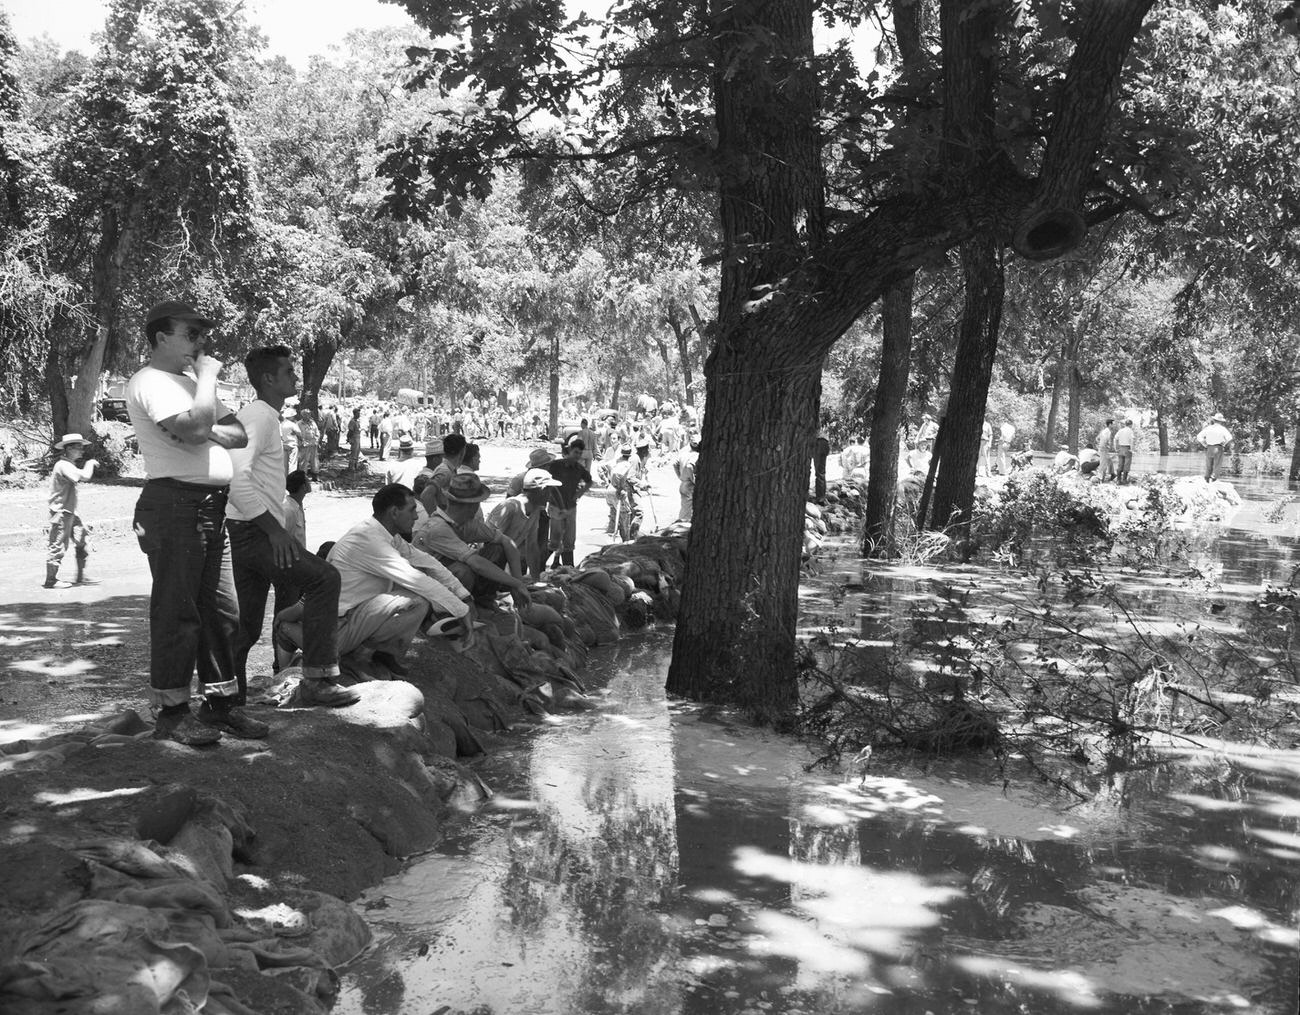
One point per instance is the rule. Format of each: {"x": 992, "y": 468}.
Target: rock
{"x": 383, "y": 704}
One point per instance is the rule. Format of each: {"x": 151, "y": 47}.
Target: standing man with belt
{"x": 1215, "y": 439}
{"x": 265, "y": 554}
{"x": 185, "y": 434}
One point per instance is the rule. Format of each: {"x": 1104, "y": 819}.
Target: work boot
{"x": 181, "y": 726}
{"x": 223, "y": 714}
{"x": 327, "y": 693}
{"x": 82, "y": 577}
{"x": 51, "y": 576}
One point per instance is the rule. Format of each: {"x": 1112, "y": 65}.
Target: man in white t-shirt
{"x": 1215, "y": 439}
{"x": 1106, "y": 448}
{"x": 262, "y": 550}
{"x": 405, "y": 467}
{"x": 185, "y": 435}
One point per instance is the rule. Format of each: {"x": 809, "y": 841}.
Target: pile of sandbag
{"x": 844, "y": 509}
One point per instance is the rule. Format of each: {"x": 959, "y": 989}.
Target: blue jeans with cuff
{"x": 193, "y": 615}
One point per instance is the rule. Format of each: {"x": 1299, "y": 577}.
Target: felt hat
{"x": 539, "y": 479}
{"x": 625, "y": 449}
{"x": 406, "y": 442}
{"x": 71, "y": 438}
{"x": 1218, "y": 418}
{"x": 176, "y": 310}
{"x": 467, "y": 488}
{"x": 434, "y": 447}
{"x": 539, "y": 457}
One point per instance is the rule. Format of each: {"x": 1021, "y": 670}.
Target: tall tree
{"x": 748, "y": 106}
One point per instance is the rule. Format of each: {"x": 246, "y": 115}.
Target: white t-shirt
{"x": 1008, "y": 431}
{"x": 1214, "y": 433}
{"x": 153, "y": 395}
{"x": 1124, "y": 439}
{"x": 404, "y": 471}
{"x": 258, "y": 484}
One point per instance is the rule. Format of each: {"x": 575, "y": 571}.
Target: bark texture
{"x": 887, "y": 413}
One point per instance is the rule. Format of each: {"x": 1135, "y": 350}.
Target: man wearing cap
{"x": 562, "y": 506}
{"x": 391, "y": 589}
{"x": 1215, "y": 439}
{"x": 65, "y": 524}
{"x": 291, "y": 437}
{"x": 685, "y": 466}
{"x": 517, "y": 516}
{"x": 450, "y": 532}
{"x": 453, "y": 453}
{"x": 185, "y": 436}
{"x": 264, "y": 553}
{"x": 624, "y": 485}
{"x": 405, "y": 467}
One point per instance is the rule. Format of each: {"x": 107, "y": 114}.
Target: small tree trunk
{"x": 683, "y": 335}
{"x": 958, "y": 444}
{"x": 317, "y": 358}
{"x": 1162, "y": 432}
{"x": 55, "y": 388}
{"x": 1075, "y": 408}
{"x": 553, "y": 427}
{"x": 618, "y": 383}
{"x": 1294, "y": 475}
{"x": 1054, "y": 409}
{"x": 891, "y": 388}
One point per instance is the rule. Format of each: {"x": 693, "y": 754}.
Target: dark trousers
{"x": 309, "y": 578}
{"x": 193, "y": 614}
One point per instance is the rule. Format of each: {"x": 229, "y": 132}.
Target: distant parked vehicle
{"x": 114, "y": 409}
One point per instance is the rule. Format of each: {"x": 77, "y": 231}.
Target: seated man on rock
{"x": 391, "y": 589}
{"x": 449, "y": 534}
{"x": 516, "y": 517}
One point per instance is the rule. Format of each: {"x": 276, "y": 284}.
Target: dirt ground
{"x": 322, "y": 806}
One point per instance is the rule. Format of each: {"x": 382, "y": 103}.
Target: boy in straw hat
{"x": 65, "y": 525}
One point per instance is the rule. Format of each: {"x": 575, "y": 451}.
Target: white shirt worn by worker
{"x": 372, "y": 561}
{"x": 258, "y": 483}
{"x": 154, "y": 395}
{"x": 1124, "y": 439}
{"x": 1215, "y": 434}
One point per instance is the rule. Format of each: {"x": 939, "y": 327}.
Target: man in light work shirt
{"x": 389, "y": 587}
{"x": 449, "y": 532}
{"x": 1106, "y": 448}
{"x": 264, "y": 553}
{"x": 1215, "y": 439}
{"x": 185, "y": 434}
{"x": 66, "y": 525}
{"x": 1123, "y": 451}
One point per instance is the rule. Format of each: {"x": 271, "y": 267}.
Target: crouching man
{"x": 450, "y": 532}
{"x": 389, "y": 588}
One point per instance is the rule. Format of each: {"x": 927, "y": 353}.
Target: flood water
{"x": 653, "y": 858}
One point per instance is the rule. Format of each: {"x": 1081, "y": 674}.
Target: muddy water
{"x": 650, "y": 858}
{"x": 653, "y": 858}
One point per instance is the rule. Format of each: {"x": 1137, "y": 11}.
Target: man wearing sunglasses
{"x": 185, "y": 434}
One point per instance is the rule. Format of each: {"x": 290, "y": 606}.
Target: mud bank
{"x": 139, "y": 876}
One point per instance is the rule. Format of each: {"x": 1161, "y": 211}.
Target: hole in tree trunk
{"x": 1048, "y": 234}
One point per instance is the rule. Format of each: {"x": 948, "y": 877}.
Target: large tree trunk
{"x": 789, "y": 290}
{"x": 958, "y": 445}
{"x": 735, "y": 638}
{"x": 891, "y": 388}
{"x": 682, "y": 335}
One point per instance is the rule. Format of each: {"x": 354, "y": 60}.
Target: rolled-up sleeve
{"x": 451, "y": 591}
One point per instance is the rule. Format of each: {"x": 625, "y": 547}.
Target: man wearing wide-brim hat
{"x": 1215, "y": 439}
{"x": 66, "y": 526}
{"x": 449, "y": 532}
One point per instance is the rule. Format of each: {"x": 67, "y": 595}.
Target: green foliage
{"x": 1035, "y": 516}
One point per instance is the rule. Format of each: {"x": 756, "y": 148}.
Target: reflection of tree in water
{"x": 599, "y": 857}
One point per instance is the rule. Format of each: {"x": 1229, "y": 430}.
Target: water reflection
{"x": 657, "y": 859}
